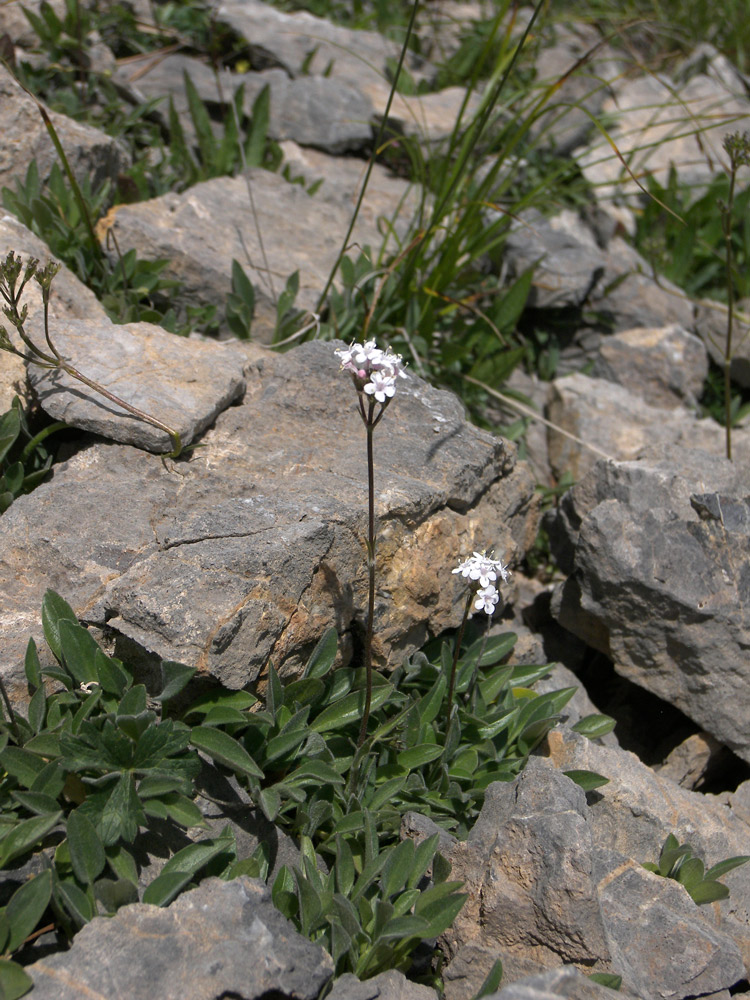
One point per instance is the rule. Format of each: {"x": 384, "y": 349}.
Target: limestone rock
{"x": 527, "y": 867}
{"x": 221, "y": 939}
{"x": 313, "y": 110}
{"x": 659, "y": 581}
{"x": 543, "y": 892}
{"x": 606, "y": 420}
{"x": 565, "y": 982}
{"x": 390, "y": 985}
{"x": 666, "y": 366}
{"x": 183, "y": 383}
{"x": 92, "y": 154}
{"x": 635, "y": 811}
{"x": 202, "y": 230}
{"x": 660, "y": 123}
{"x": 257, "y": 546}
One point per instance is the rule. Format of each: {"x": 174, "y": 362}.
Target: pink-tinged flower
{"x": 367, "y": 355}
{"x": 381, "y": 386}
{"x": 486, "y": 599}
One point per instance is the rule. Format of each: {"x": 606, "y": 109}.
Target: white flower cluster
{"x": 485, "y": 570}
{"x": 378, "y": 369}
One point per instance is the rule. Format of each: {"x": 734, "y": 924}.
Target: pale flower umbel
{"x": 484, "y": 570}
{"x": 374, "y": 370}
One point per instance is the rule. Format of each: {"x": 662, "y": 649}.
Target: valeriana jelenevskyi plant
{"x": 375, "y": 373}
{"x": 482, "y": 572}
{"x": 12, "y": 286}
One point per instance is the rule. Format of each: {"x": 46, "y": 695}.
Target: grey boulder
{"x": 221, "y": 939}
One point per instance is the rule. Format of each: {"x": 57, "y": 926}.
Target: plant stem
{"x": 367, "y": 654}
{"x": 456, "y": 654}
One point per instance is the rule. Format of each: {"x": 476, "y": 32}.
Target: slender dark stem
{"x": 730, "y": 309}
{"x": 367, "y": 655}
{"x": 456, "y": 654}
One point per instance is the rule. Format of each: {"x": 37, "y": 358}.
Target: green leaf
{"x": 419, "y": 755}
{"x": 255, "y": 144}
{"x": 202, "y": 122}
{"x": 25, "y": 835}
{"x": 708, "y": 892}
{"x": 26, "y": 907}
{"x": 691, "y": 873}
{"x": 397, "y": 868}
{"x": 594, "y": 726}
{"x": 32, "y": 666}
{"x": 224, "y": 749}
{"x": 726, "y": 866}
{"x": 196, "y": 856}
{"x": 491, "y": 982}
{"x": 54, "y": 611}
{"x": 221, "y": 698}
{"x": 38, "y": 709}
{"x": 36, "y": 802}
{"x": 122, "y": 863}
{"x": 423, "y": 857}
{"x": 21, "y": 764}
{"x": 78, "y": 648}
{"x": 14, "y": 980}
{"x": 587, "y": 780}
{"x": 608, "y": 979}
{"x": 10, "y": 428}
{"x": 323, "y": 656}
{"x": 166, "y": 887}
{"x": 175, "y": 677}
{"x": 121, "y": 814}
{"x": 86, "y": 849}
{"x": 349, "y": 709}
{"x": 75, "y": 901}
{"x": 429, "y": 706}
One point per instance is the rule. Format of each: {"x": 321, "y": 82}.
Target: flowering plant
{"x": 483, "y": 570}
{"x": 374, "y": 372}
{"x": 486, "y": 570}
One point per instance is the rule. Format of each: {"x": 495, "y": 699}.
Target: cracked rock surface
{"x": 256, "y": 545}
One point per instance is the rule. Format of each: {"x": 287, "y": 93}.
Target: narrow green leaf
{"x": 26, "y": 907}
{"x": 25, "y": 835}
{"x": 166, "y": 887}
{"x": 10, "y": 428}
{"x": 423, "y": 857}
{"x": 587, "y": 780}
{"x": 323, "y": 656}
{"x": 594, "y": 726}
{"x": 75, "y": 901}
{"x": 491, "y": 982}
{"x": 224, "y": 749}
{"x": 726, "y": 866}
{"x": 54, "y": 610}
{"x": 419, "y": 755}
{"x": 255, "y": 143}
{"x": 397, "y": 868}
{"x": 202, "y": 123}
{"x": 78, "y": 649}
{"x": 86, "y": 849}
{"x": 349, "y": 709}
{"x": 32, "y": 666}
{"x": 196, "y": 856}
